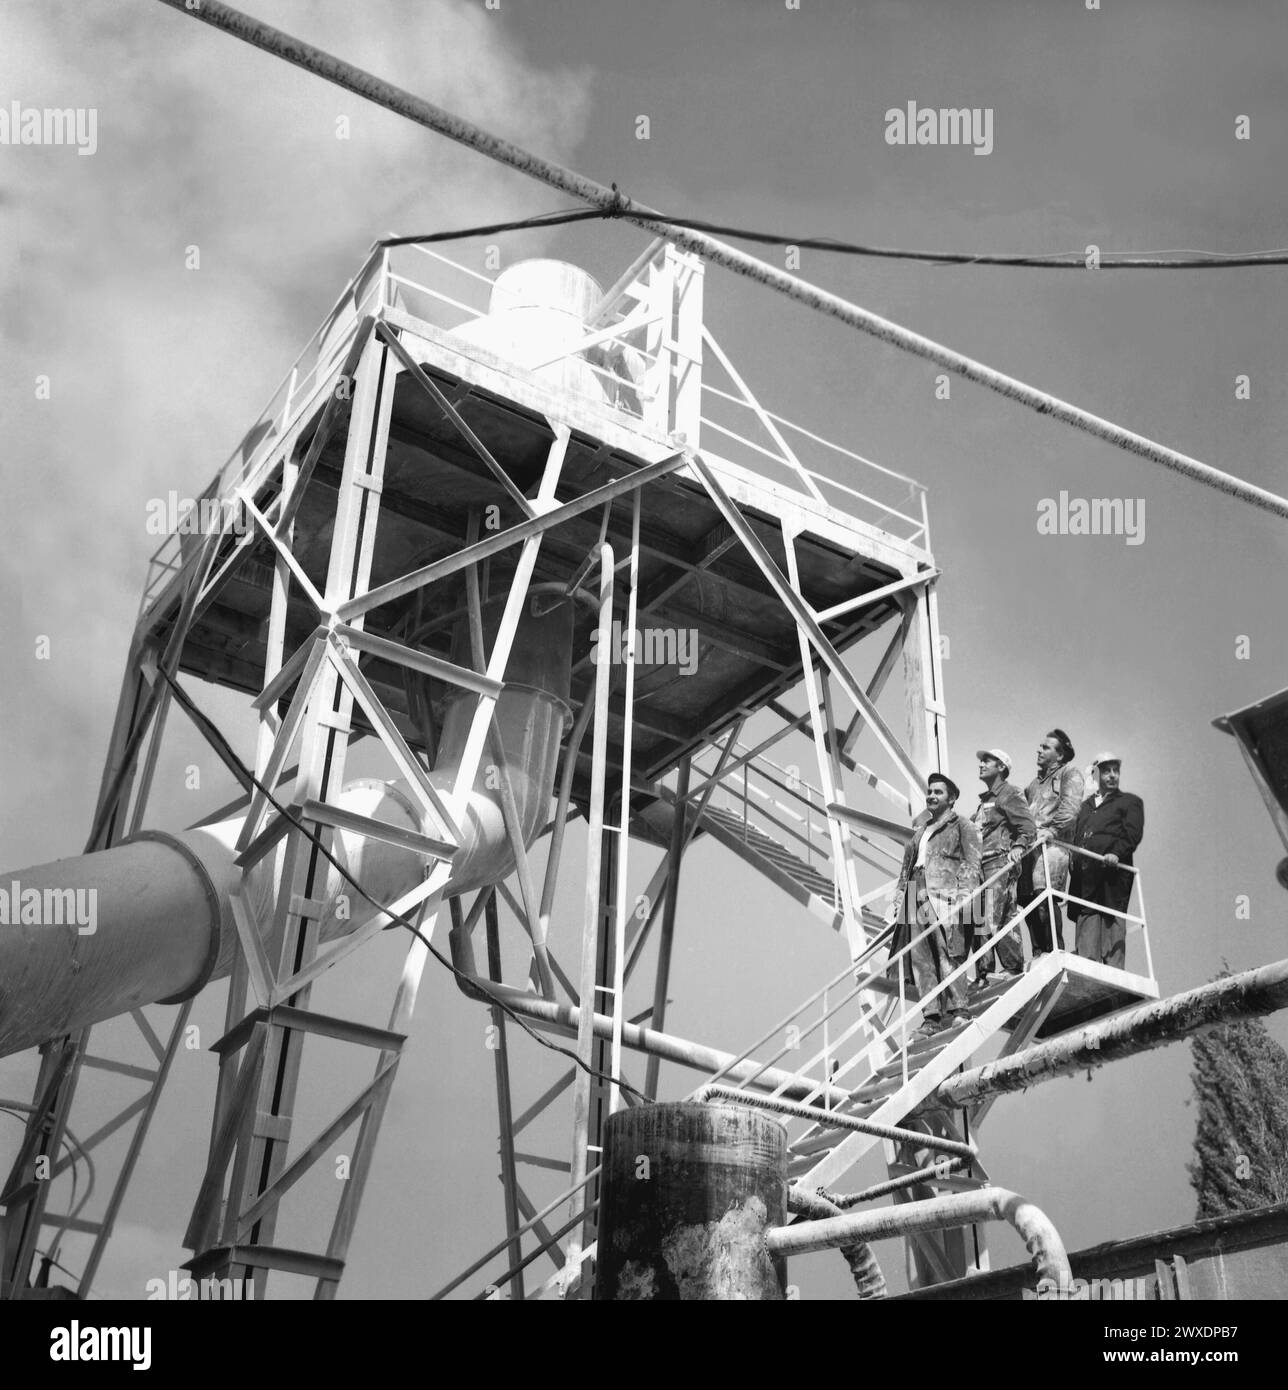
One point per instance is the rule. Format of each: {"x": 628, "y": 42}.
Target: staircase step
{"x": 769, "y": 849}
{"x": 772, "y": 849}
{"x": 788, "y": 860}
{"x": 741, "y": 827}
{"x": 888, "y": 1079}
{"x": 798, "y": 1167}
{"x": 825, "y": 1155}
{"x": 867, "y": 1100}
{"x": 775, "y": 853}
{"x": 817, "y": 1143}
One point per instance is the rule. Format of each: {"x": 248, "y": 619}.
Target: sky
{"x": 1113, "y": 127}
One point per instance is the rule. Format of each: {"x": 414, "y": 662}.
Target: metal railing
{"x": 773, "y": 800}
{"x": 297, "y": 394}
{"x": 628, "y": 379}
{"x": 877, "y": 1035}
{"x": 644, "y": 349}
{"x": 753, "y": 437}
{"x": 400, "y": 278}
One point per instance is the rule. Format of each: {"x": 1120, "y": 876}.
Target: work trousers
{"x": 1044, "y": 927}
{"x": 1103, "y": 937}
{"x": 932, "y": 959}
{"x": 999, "y": 908}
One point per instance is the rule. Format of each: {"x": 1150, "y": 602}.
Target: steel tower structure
{"x": 449, "y": 462}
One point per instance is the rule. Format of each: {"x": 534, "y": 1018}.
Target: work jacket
{"x": 1003, "y": 820}
{"x": 1114, "y": 827}
{"x": 1054, "y": 800}
{"x": 952, "y": 866}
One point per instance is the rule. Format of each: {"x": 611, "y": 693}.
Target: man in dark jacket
{"x": 939, "y": 875}
{"x": 1007, "y": 828}
{"x": 1110, "y": 824}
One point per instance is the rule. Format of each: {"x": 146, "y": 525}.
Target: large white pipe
{"x": 85, "y": 939}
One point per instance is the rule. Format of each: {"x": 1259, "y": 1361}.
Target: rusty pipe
{"x": 869, "y": 1282}
{"x": 1249, "y": 994}
{"x": 936, "y": 1214}
{"x": 563, "y": 1018}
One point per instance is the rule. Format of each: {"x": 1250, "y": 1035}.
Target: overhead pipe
{"x": 564, "y": 1018}
{"x": 1249, "y": 994}
{"x": 929, "y": 1173}
{"x": 893, "y": 1133}
{"x": 936, "y": 1214}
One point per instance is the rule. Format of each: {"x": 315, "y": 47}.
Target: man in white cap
{"x": 1007, "y": 829}
{"x": 1110, "y": 824}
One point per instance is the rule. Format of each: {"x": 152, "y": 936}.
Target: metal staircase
{"x": 875, "y": 1079}
{"x": 778, "y": 824}
{"x": 872, "y": 1076}
{"x": 824, "y": 1153}
{"x": 795, "y": 876}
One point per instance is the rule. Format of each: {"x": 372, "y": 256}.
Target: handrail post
{"x": 1052, "y": 934}
{"x": 290, "y": 395}
{"x": 903, "y": 1026}
{"x": 1144, "y": 928}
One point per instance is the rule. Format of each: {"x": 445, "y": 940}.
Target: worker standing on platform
{"x": 1054, "y": 797}
{"x": 1006, "y": 829}
{"x": 937, "y": 880}
{"x": 1111, "y": 823}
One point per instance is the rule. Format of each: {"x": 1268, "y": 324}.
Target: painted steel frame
{"x": 250, "y": 1169}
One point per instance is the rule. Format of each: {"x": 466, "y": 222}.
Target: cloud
{"x": 155, "y": 370}
{"x": 136, "y": 1254}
